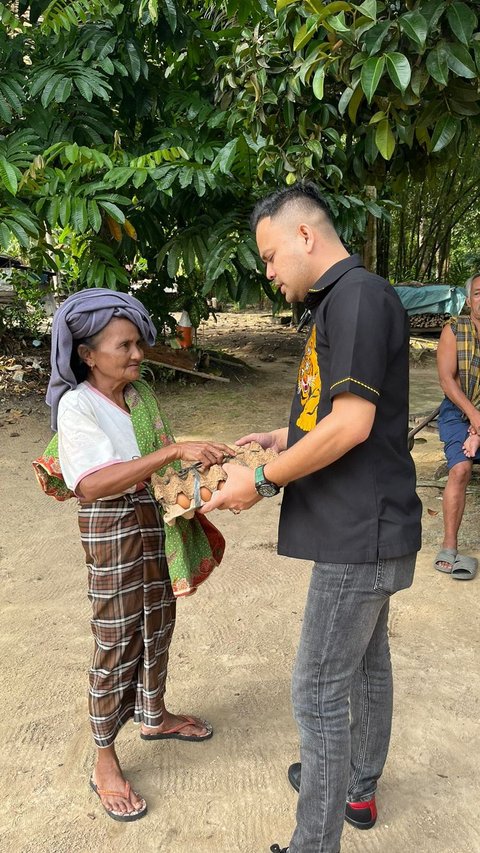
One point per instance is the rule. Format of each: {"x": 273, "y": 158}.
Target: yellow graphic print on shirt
{"x": 309, "y": 384}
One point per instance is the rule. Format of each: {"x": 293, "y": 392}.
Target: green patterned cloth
{"x": 192, "y": 547}
{"x": 468, "y": 355}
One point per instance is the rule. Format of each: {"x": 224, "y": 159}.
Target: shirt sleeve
{"x": 83, "y": 447}
{"x": 358, "y": 325}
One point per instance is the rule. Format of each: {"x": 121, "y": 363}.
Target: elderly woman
{"x": 107, "y": 424}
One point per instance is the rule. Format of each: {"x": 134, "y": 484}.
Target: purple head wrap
{"x": 81, "y": 315}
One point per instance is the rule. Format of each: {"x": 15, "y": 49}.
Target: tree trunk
{"x": 370, "y": 244}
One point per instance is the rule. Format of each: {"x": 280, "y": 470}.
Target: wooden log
{"x": 186, "y": 370}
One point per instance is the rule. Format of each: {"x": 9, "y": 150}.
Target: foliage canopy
{"x": 134, "y": 137}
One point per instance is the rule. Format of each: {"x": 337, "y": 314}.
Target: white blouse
{"x": 93, "y": 432}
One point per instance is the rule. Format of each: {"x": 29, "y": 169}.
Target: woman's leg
{"x": 114, "y": 554}
{"x": 111, "y": 784}
{"x": 159, "y": 624}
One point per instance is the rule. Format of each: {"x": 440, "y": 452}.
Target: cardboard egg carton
{"x": 180, "y": 493}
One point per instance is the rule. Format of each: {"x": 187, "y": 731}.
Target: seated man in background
{"x": 458, "y": 359}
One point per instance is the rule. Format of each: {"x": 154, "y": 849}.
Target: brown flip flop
{"x": 123, "y": 816}
{"x": 176, "y": 732}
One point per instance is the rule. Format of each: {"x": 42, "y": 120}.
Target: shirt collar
{"x": 331, "y": 276}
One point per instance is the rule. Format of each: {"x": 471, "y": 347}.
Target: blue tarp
{"x": 432, "y": 299}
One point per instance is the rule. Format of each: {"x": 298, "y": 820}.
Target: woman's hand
{"x": 206, "y": 452}
{"x": 275, "y": 440}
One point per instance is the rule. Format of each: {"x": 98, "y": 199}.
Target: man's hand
{"x": 475, "y": 422}
{"x": 275, "y": 440}
{"x": 237, "y": 494}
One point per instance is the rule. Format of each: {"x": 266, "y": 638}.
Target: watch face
{"x": 267, "y": 490}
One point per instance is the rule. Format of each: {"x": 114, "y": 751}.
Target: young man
{"x": 349, "y": 505}
{"x": 458, "y": 359}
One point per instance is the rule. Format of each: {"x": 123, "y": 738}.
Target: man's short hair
{"x": 469, "y": 282}
{"x": 306, "y": 193}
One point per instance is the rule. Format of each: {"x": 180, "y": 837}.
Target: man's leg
{"x": 371, "y": 703}
{"x": 454, "y": 502}
{"x": 341, "y": 615}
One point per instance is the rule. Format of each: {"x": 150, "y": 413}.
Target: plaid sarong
{"x": 133, "y": 611}
{"x": 468, "y": 356}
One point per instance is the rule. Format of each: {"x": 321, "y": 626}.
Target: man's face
{"x": 283, "y": 248}
{"x": 474, "y": 299}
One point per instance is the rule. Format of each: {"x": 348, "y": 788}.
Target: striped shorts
{"x": 133, "y": 611}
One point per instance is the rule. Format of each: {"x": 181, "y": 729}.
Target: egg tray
{"x": 190, "y": 482}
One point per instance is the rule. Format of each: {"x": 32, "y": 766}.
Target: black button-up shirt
{"x": 364, "y": 505}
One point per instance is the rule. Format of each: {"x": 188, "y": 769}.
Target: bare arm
{"x": 116, "y": 478}
{"x": 348, "y": 424}
{"x": 447, "y": 364}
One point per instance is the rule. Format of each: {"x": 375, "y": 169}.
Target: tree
{"x": 135, "y": 137}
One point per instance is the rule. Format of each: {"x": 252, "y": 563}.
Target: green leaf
{"x": 330, "y": 9}
{"x": 225, "y": 157}
{"x": 65, "y": 210}
{"x": 399, "y": 70}
{"x": 18, "y": 231}
{"x": 53, "y": 211}
{"x": 305, "y": 34}
{"x": 8, "y": 175}
{"x": 49, "y": 90}
{"x": 437, "y": 65}
{"x": 460, "y": 61}
{"x": 414, "y": 26}
{"x": 444, "y": 131}
{"x": 63, "y": 90}
{"x": 384, "y": 139}
{"x": 377, "y": 117}
{"x": 318, "y": 82}
{"x": 282, "y": 4}
{"x": 462, "y": 20}
{"x": 135, "y": 64}
{"x": 199, "y": 182}
{"x": 79, "y": 216}
{"x": 40, "y": 81}
{"x": 371, "y": 74}
{"x": 12, "y": 96}
{"x": 420, "y": 78}
{"x": 246, "y": 256}
{"x": 113, "y": 211}
{"x": 354, "y": 103}
{"x": 139, "y": 178}
{"x": 5, "y": 110}
{"x": 84, "y": 88}
{"x": 368, "y": 8}
{"x": 173, "y": 260}
{"x": 170, "y": 14}
{"x": 374, "y": 37}
{"x": 5, "y": 236}
{"x": 94, "y": 215}
{"x": 345, "y": 100}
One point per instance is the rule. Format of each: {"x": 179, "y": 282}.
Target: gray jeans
{"x": 342, "y": 693}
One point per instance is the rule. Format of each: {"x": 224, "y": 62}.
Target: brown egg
{"x": 205, "y": 493}
{"x": 183, "y": 501}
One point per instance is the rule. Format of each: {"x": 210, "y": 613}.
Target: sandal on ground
{"x": 464, "y": 568}
{"x": 176, "y": 732}
{"x": 445, "y": 555}
{"x": 123, "y": 816}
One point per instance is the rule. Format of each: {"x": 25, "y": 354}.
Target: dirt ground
{"x": 231, "y": 657}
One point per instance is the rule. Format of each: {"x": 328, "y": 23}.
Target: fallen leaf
{"x": 432, "y": 511}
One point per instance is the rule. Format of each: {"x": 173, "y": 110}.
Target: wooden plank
{"x": 187, "y": 370}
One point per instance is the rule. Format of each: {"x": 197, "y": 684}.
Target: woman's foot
{"x": 115, "y": 793}
{"x": 179, "y": 727}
